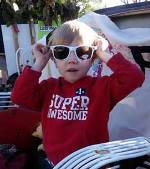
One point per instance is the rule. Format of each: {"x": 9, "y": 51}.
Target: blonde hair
{"x": 72, "y": 30}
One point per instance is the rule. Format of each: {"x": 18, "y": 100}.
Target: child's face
{"x": 73, "y": 69}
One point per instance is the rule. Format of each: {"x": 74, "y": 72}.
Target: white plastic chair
{"x": 102, "y": 155}
{"x": 21, "y": 59}
{"x": 5, "y": 100}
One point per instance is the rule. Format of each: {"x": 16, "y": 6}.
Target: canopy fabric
{"x": 129, "y": 36}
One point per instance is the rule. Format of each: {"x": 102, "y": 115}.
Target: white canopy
{"x": 129, "y": 37}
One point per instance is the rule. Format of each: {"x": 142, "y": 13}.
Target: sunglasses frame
{"x": 72, "y": 48}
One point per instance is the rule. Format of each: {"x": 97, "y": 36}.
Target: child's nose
{"x": 72, "y": 58}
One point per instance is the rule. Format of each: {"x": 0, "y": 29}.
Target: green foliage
{"x": 8, "y": 14}
{"x": 44, "y": 10}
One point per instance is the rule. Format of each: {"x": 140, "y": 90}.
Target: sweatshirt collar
{"x": 81, "y": 82}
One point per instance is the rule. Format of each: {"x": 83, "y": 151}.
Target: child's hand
{"x": 42, "y": 55}
{"x": 103, "y": 50}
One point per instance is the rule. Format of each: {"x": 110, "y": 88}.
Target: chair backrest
{"x": 23, "y": 57}
{"x": 105, "y": 154}
{"x": 137, "y": 52}
{"x": 5, "y": 100}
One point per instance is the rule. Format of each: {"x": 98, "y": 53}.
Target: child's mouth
{"x": 72, "y": 70}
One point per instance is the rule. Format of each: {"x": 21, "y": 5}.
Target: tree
{"x": 45, "y": 10}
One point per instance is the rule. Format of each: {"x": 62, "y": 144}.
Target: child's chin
{"x": 72, "y": 79}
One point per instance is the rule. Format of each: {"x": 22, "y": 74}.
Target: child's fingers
{"x": 102, "y": 42}
{"x": 105, "y": 44}
{"x": 102, "y": 46}
{"x": 40, "y": 48}
{"x": 44, "y": 50}
{"x": 98, "y": 43}
{"x": 37, "y": 46}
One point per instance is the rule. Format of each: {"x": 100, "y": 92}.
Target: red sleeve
{"x": 27, "y": 91}
{"x": 126, "y": 77}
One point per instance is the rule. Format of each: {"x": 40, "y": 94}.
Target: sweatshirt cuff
{"x": 28, "y": 72}
{"x": 117, "y": 61}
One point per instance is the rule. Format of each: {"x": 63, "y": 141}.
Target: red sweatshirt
{"x": 75, "y": 115}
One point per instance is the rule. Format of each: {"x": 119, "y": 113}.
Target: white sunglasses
{"x": 61, "y": 52}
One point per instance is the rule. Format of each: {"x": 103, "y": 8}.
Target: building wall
{"x": 133, "y": 21}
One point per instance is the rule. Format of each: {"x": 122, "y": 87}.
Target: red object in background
{"x": 17, "y": 126}
{"x": 15, "y": 28}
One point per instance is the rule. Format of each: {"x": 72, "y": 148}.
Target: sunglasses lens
{"x": 61, "y": 52}
{"x": 84, "y": 52}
